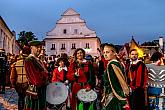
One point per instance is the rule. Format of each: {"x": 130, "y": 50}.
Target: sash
{"x": 122, "y": 82}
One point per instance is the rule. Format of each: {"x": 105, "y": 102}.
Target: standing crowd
{"x": 115, "y": 82}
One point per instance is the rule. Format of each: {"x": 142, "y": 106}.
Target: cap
{"x": 88, "y": 57}
{"x": 62, "y": 59}
{"x": 111, "y": 46}
{"x": 2, "y": 50}
{"x": 35, "y": 43}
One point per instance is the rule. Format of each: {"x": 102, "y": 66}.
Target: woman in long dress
{"x": 81, "y": 75}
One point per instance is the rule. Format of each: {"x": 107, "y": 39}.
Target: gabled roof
{"x": 133, "y": 44}
{"x": 70, "y": 12}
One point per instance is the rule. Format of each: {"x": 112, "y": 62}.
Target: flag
{"x": 124, "y": 51}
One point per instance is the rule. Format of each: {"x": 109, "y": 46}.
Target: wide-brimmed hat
{"x": 65, "y": 60}
{"x": 88, "y": 57}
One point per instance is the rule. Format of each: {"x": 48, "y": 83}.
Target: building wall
{"x": 82, "y": 31}
{"x": 79, "y": 43}
{"x": 17, "y": 48}
{"x": 69, "y": 30}
{"x": 7, "y": 38}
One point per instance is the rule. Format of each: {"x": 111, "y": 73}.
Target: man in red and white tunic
{"x": 137, "y": 79}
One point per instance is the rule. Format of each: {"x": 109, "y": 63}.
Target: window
{"x": 75, "y": 31}
{"x": 64, "y": 31}
{"x": 87, "y": 45}
{"x": 73, "y": 46}
{"x": 53, "y": 47}
{"x": 63, "y": 47}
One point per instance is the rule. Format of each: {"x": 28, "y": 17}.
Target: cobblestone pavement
{"x": 8, "y": 101}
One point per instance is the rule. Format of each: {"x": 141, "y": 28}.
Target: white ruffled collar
{"x": 61, "y": 68}
{"x": 135, "y": 62}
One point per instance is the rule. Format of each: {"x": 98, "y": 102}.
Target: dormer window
{"x": 64, "y": 31}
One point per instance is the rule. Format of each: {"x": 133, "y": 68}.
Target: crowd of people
{"x": 120, "y": 83}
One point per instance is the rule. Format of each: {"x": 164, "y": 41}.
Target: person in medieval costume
{"x": 50, "y": 67}
{"x": 115, "y": 86}
{"x": 102, "y": 65}
{"x": 3, "y": 70}
{"x": 37, "y": 77}
{"x": 81, "y": 75}
{"x": 59, "y": 73}
{"x": 137, "y": 79}
{"x": 98, "y": 85}
{"x": 156, "y": 82}
{"x": 18, "y": 77}
{"x": 42, "y": 57}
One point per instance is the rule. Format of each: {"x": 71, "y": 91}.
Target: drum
{"x": 156, "y": 98}
{"x": 56, "y": 93}
{"x": 86, "y": 96}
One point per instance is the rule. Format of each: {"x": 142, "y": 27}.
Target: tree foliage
{"x": 25, "y": 37}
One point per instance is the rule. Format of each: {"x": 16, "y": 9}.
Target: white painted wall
{"x": 70, "y": 21}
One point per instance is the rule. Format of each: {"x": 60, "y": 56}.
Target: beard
{"x": 134, "y": 59}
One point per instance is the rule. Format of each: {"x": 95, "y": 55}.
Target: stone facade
{"x": 70, "y": 33}
{"x": 7, "y": 38}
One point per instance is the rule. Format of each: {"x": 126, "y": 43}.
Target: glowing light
{"x": 87, "y": 50}
{"x": 140, "y": 53}
{"x": 161, "y": 42}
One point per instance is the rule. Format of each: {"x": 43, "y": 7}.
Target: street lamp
{"x": 161, "y": 44}
{"x": 87, "y": 50}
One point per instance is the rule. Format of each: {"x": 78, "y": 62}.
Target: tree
{"x": 25, "y": 37}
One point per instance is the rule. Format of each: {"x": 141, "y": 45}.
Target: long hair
{"x": 75, "y": 53}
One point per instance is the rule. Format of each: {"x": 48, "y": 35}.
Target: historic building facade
{"x": 70, "y": 33}
{"x": 7, "y": 38}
